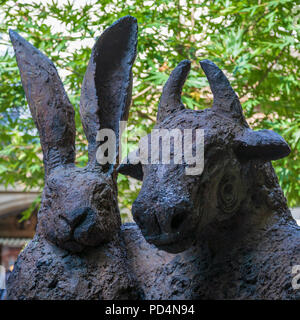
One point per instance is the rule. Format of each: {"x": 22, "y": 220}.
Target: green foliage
{"x": 256, "y": 43}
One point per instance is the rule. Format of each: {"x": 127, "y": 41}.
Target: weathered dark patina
{"x": 224, "y": 234}
{"x": 236, "y": 235}
{"x": 77, "y": 251}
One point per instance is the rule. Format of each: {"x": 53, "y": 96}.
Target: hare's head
{"x": 79, "y": 205}
{"x": 173, "y": 206}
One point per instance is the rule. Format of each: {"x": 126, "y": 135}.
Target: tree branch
{"x": 142, "y": 92}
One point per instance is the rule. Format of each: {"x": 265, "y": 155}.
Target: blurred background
{"x": 255, "y": 42}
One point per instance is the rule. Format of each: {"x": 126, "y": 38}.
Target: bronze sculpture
{"x": 231, "y": 223}
{"x": 77, "y": 251}
{"x": 224, "y": 234}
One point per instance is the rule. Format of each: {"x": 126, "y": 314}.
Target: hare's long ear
{"x": 50, "y": 107}
{"x": 107, "y": 84}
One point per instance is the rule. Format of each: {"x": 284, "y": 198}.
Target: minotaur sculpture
{"x": 231, "y": 223}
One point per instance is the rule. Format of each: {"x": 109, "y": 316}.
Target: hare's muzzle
{"x": 76, "y": 217}
{"x": 83, "y": 229}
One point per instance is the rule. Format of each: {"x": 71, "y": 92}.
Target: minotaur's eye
{"x": 228, "y": 194}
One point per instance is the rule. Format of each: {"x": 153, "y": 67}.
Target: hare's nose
{"x": 76, "y": 217}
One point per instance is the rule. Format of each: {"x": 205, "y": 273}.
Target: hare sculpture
{"x": 77, "y": 251}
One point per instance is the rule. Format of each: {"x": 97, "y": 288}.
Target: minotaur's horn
{"x": 170, "y": 100}
{"x": 225, "y": 99}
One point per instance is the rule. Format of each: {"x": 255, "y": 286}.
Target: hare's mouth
{"x": 73, "y": 246}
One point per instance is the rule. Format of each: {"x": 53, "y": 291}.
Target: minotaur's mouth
{"x": 171, "y": 242}
{"x": 164, "y": 238}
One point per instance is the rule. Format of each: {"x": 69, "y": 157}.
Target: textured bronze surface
{"x": 229, "y": 230}
{"x": 77, "y": 250}
{"x": 225, "y": 234}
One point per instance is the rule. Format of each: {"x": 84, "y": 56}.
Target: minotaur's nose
{"x": 174, "y": 218}
{"x": 145, "y": 219}
{"x": 178, "y": 219}
{"x": 163, "y": 217}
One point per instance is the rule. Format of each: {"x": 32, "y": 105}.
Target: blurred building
{"x": 14, "y": 234}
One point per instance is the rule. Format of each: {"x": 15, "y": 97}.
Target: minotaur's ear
{"x": 170, "y": 100}
{"x": 132, "y": 168}
{"x": 50, "y": 107}
{"x": 106, "y": 88}
{"x": 262, "y": 144}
